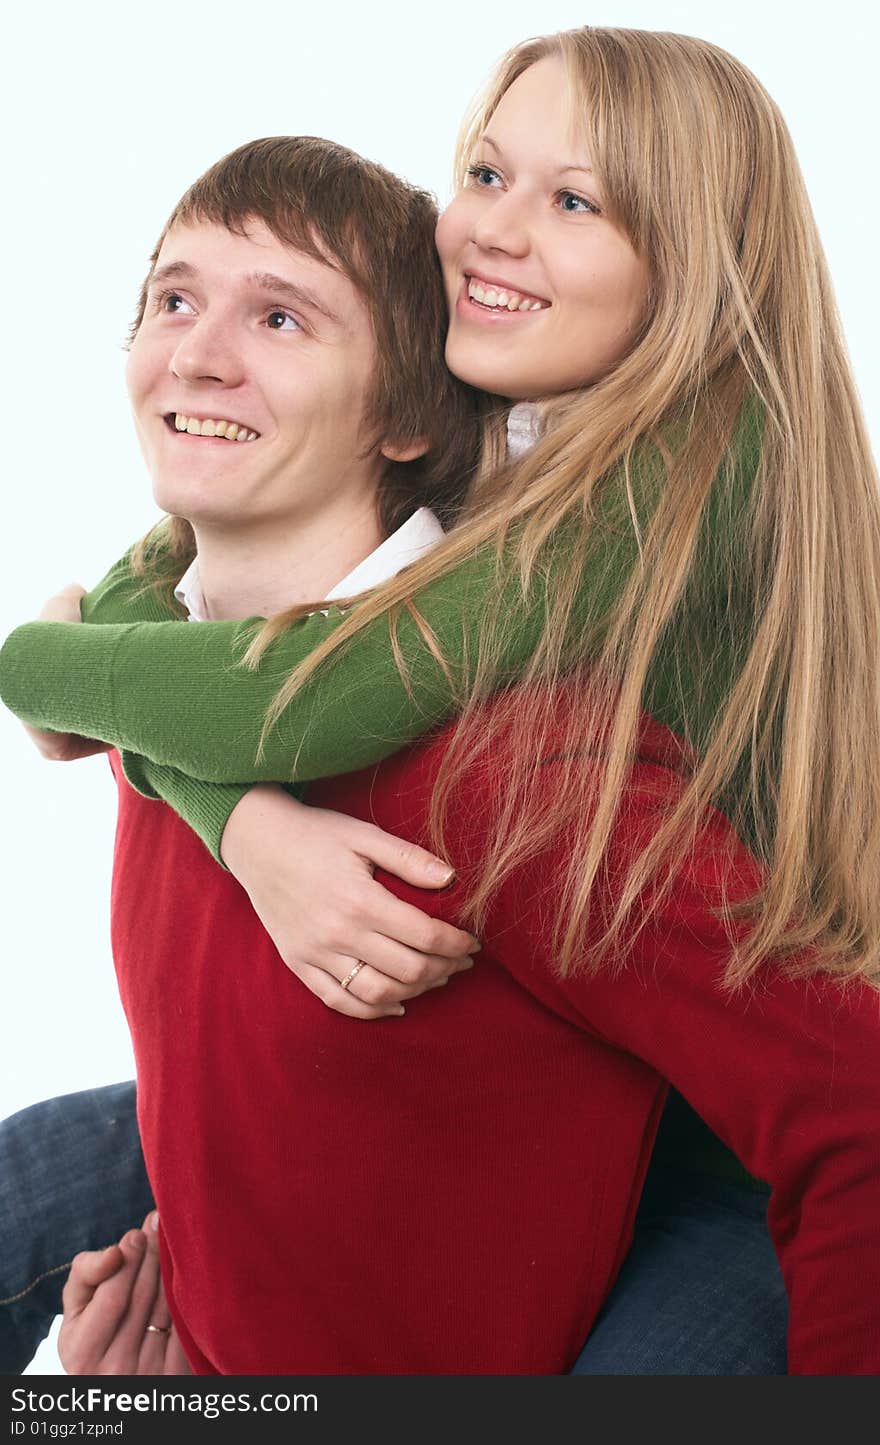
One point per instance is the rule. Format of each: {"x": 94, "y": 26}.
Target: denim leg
{"x": 71, "y": 1177}
{"x": 700, "y": 1292}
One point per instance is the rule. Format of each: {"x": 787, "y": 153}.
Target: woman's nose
{"x": 503, "y": 226}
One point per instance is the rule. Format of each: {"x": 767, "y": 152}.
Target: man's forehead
{"x": 253, "y": 258}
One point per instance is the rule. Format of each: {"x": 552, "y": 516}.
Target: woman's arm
{"x": 179, "y": 696}
{"x": 308, "y": 873}
{"x": 120, "y": 597}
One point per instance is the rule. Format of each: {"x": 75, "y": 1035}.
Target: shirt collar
{"x": 418, "y": 534}
{"x": 523, "y": 427}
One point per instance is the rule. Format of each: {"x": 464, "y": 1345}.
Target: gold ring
{"x": 354, "y": 973}
{"x": 159, "y": 1329}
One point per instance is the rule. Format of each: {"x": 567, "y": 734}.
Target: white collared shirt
{"x": 418, "y": 535}
{"x": 523, "y": 429}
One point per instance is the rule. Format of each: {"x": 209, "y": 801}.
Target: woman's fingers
{"x": 405, "y": 860}
{"x": 395, "y": 972}
{"x": 327, "y": 987}
{"x": 64, "y": 606}
{"x": 408, "y": 925}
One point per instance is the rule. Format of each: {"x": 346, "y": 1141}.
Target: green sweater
{"x": 187, "y": 717}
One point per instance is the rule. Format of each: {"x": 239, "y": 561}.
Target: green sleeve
{"x": 178, "y": 696}
{"x": 205, "y": 807}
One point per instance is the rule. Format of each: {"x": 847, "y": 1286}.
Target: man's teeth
{"x": 232, "y": 430}
{"x": 503, "y": 300}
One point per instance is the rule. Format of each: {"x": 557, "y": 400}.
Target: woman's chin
{"x": 493, "y": 373}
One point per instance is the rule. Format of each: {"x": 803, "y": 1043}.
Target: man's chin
{"x": 194, "y": 502}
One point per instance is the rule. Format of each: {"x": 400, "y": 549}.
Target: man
{"x": 295, "y": 417}
{"x": 419, "y": 1200}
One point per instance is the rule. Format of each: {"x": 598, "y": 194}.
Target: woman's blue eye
{"x": 579, "y": 204}
{"x": 483, "y": 175}
{"x": 276, "y": 321}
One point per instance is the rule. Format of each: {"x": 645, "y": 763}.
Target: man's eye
{"x": 282, "y": 321}
{"x": 172, "y": 303}
{"x": 483, "y": 175}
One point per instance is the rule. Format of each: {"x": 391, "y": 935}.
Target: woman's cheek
{"x": 451, "y": 230}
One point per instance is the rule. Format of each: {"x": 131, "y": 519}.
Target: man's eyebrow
{"x": 171, "y": 271}
{"x": 266, "y": 281}
{"x": 566, "y": 165}
{"x": 288, "y": 290}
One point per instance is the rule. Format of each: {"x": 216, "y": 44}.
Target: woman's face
{"x": 545, "y": 294}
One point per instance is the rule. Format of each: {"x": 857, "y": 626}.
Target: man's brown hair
{"x": 330, "y": 203}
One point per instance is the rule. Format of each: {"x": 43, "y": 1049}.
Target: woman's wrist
{"x": 236, "y": 844}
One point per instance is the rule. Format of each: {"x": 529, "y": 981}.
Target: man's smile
{"x": 196, "y": 426}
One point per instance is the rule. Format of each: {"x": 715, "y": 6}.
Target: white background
{"x": 109, "y": 112}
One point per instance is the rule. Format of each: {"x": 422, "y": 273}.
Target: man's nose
{"x": 504, "y": 226}
{"x": 207, "y": 352}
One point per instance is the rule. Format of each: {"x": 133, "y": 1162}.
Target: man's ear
{"x": 405, "y": 454}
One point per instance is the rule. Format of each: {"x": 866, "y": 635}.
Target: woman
{"x": 742, "y": 690}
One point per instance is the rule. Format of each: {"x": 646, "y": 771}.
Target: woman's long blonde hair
{"x": 729, "y": 450}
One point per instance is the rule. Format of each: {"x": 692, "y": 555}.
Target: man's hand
{"x": 111, "y": 1298}
{"x": 64, "y": 747}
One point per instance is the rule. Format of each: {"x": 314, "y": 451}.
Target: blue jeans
{"x": 72, "y": 1177}
{"x": 699, "y": 1294}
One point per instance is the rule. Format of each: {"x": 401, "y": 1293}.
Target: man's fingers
{"x": 176, "y": 1362}
{"x": 142, "y": 1305}
{"x": 112, "y": 1299}
{"x": 162, "y": 1353}
{"x": 88, "y": 1331}
{"x": 88, "y": 1270}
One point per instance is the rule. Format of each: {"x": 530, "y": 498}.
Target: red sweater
{"x": 453, "y": 1192}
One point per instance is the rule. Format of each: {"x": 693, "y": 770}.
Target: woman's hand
{"x": 309, "y": 875}
{"x": 64, "y": 747}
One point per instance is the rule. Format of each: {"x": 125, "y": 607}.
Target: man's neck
{"x": 255, "y": 574}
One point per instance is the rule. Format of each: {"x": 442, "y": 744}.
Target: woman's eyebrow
{"x": 486, "y": 139}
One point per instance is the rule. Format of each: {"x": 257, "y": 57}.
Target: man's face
{"x": 275, "y": 347}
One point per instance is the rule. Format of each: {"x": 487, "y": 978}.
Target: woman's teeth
{"x": 232, "y": 430}
{"x": 499, "y": 299}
